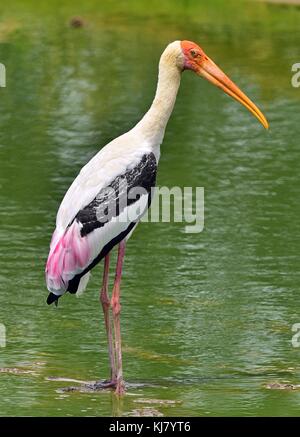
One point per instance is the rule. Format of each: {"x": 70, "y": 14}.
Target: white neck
{"x": 152, "y": 126}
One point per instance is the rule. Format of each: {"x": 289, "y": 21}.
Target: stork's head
{"x": 191, "y": 57}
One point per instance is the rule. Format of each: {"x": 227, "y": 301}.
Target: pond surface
{"x": 207, "y": 318}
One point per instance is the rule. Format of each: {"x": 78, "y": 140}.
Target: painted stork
{"x": 85, "y": 233}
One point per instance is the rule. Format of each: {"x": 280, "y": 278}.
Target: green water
{"x": 206, "y": 317}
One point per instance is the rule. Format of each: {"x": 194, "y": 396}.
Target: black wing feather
{"x": 107, "y": 203}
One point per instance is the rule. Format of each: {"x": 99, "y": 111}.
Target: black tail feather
{"x": 52, "y": 298}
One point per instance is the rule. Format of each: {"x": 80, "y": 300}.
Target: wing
{"x": 100, "y": 225}
{"x": 123, "y": 153}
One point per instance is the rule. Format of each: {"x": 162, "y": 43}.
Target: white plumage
{"x": 70, "y": 252}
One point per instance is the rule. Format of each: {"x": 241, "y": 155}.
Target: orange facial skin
{"x": 193, "y": 55}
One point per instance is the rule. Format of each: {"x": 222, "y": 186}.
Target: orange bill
{"x": 210, "y": 71}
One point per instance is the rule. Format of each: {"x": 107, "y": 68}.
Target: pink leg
{"x": 116, "y": 310}
{"x": 105, "y": 302}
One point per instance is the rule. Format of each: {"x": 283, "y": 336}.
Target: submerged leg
{"x": 105, "y": 302}
{"x": 116, "y": 310}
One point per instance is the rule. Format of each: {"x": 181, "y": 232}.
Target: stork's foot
{"x": 108, "y": 383}
{"x": 120, "y": 388}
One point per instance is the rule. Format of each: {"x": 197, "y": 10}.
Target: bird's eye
{"x": 194, "y": 53}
